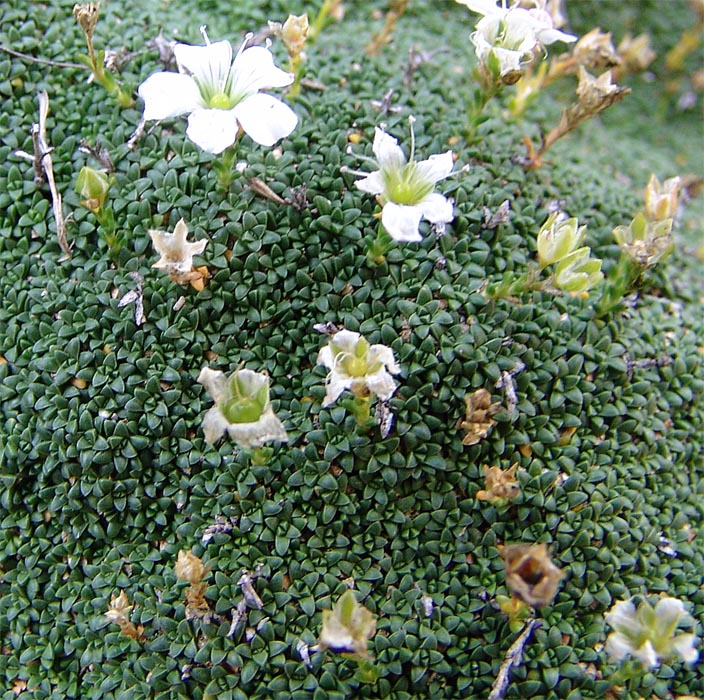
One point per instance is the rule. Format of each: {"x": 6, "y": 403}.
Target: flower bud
{"x": 557, "y": 238}
{"x": 294, "y": 33}
{"x": 578, "y": 272}
{"x": 661, "y": 199}
{"x": 93, "y": 186}
{"x": 87, "y": 17}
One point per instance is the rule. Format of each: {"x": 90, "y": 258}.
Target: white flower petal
{"x": 215, "y": 383}
{"x": 385, "y": 355}
{"x": 213, "y": 130}
{"x": 482, "y": 7}
{"x": 646, "y": 655}
{"x": 168, "y": 95}
{"x": 267, "y": 429}
{"x": 381, "y": 384}
{"x": 550, "y": 36}
{"x": 436, "y": 209}
{"x": 622, "y": 616}
{"x": 265, "y": 119}
{"x": 346, "y": 340}
{"x": 326, "y": 357}
{"x": 668, "y": 612}
{"x": 209, "y": 64}
{"x": 214, "y": 425}
{"x": 254, "y": 70}
{"x": 387, "y": 151}
{"x": 372, "y": 184}
{"x": 683, "y": 646}
{"x": 401, "y": 222}
{"x": 436, "y": 167}
{"x": 336, "y": 383}
{"x": 618, "y": 647}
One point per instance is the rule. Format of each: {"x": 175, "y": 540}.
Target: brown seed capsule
{"x": 530, "y": 574}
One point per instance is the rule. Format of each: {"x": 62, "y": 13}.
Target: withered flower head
{"x": 595, "y": 51}
{"x": 294, "y": 33}
{"x": 636, "y": 54}
{"x": 479, "y": 414}
{"x": 87, "y": 17}
{"x": 190, "y": 568}
{"x": 597, "y": 94}
{"x": 501, "y": 486}
{"x": 530, "y": 574}
{"x": 119, "y": 608}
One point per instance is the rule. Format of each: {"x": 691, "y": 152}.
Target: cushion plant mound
{"x": 105, "y": 472}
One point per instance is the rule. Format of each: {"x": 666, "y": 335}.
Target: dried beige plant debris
{"x": 501, "y": 486}
{"x": 479, "y": 413}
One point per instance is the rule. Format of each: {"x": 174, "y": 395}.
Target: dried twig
{"x": 513, "y": 658}
{"x": 43, "y": 61}
{"x": 39, "y": 138}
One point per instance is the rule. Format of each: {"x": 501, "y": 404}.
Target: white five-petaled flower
{"x": 175, "y": 251}
{"x": 511, "y": 37}
{"x": 648, "y": 633}
{"x": 242, "y": 408}
{"x": 221, "y": 96}
{"x": 405, "y": 188}
{"x": 356, "y": 365}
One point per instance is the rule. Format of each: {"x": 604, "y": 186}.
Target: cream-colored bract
{"x": 221, "y": 96}
{"x": 175, "y": 251}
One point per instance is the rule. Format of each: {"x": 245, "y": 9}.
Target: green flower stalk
{"x": 644, "y": 242}
{"x": 242, "y": 410}
{"x": 93, "y": 187}
{"x": 87, "y": 16}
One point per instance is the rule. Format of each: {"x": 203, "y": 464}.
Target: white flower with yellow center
{"x": 221, "y": 96}
{"x": 242, "y": 408}
{"x": 405, "y": 187}
{"x": 356, "y": 365}
{"x": 648, "y": 633}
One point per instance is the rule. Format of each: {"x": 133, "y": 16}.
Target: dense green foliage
{"x": 105, "y": 473}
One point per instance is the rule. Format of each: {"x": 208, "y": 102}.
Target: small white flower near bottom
{"x": 242, "y": 408}
{"x": 176, "y": 252}
{"x": 648, "y": 633}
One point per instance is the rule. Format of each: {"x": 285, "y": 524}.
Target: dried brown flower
{"x": 501, "y": 486}
{"x": 118, "y": 613}
{"x": 530, "y": 574}
{"x": 479, "y": 412}
{"x": 190, "y": 568}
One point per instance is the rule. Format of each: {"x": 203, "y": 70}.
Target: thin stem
{"x": 225, "y": 167}
{"x": 376, "y": 253}
{"x": 43, "y": 61}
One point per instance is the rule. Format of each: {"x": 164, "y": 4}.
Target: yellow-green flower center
{"x": 221, "y": 100}
{"x": 355, "y": 366}
{"x": 404, "y": 185}
{"x": 242, "y": 410}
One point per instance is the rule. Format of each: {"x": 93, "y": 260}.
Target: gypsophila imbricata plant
{"x": 573, "y": 269}
{"x": 346, "y": 630}
{"x": 506, "y": 41}
{"x": 363, "y": 369}
{"x": 645, "y": 636}
{"x": 242, "y": 410}
{"x": 405, "y": 189}
{"x": 87, "y": 16}
{"x": 644, "y": 242}
{"x": 222, "y": 97}
{"x": 176, "y": 256}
